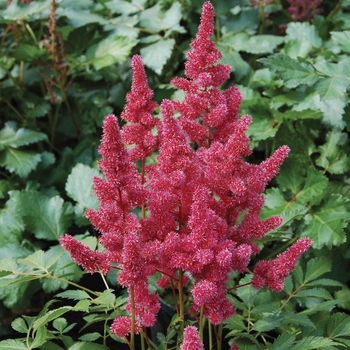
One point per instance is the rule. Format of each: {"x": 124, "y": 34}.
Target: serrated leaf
{"x": 267, "y": 323}
{"x": 313, "y": 293}
{"x": 16, "y": 11}
{"x": 342, "y": 39}
{"x": 28, "y": 53}
{"x": 325, "y": 224}
{"x": 51, "y": 315}
{"x": 324, "y": 306}
{"x": 317, "y": 267}
{"x": 10, "y": 136}
{"x": 60, "y": 324}
{"x": 109, "y": 51}
{"x": 79, "y": 185}
{"x": 106, "y": 298}
{"x": 247, "y": 293}
{"x": 35, "y": 260}
{"x": 332, "y": 158}
{"x": 78, "y": 17}
{"x": 18, "y": 161}
{"x": 300, "y": 39}
{"x": 283, "y": 342}
{"x": 90, "y": 336}
{"x": 11, "y": 224}
{"x": 40, "y": 337}
{"x": 260, "y": 44}
{"x": 155, "y": 56}
{"x": 74, "y": 294}
{"x": 332, "y": 87}
{"x": 325, "y": 282}
{"x": 339, "y": 325}
{"x": 309, "y": 343}
{"x": 62, "y": 267}
{"x": 87, "y": 346}
{"x": 291, "y": 71}
{"x": 235, "y": 323}
{"x": 47, "y": 218}
{"x": 12, "y": 344}
{"x": 82, "y": 305}
{"x": 19, "y": 325}
{"x": 123, "y": 7}
{"x": 298, "y": 319}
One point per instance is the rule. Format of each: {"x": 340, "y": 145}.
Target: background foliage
{"x": 59, "y": 77}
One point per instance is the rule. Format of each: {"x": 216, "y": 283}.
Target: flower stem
{"x": 181, "y": 302}
{"x": 132, "y": 332}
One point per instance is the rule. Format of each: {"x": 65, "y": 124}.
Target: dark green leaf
{"x": 317, "y": 267}
{"x": 283, "y": 342}
{"x": 74, "y": 294}
{"x": 47, "y": 218}
{"x": 109, "y": 51}
{"x": 267, "y": 323}
{"x": 291, "y": 71}
{"x": 325, "y": 224}
{"x": 156, "y": 55}
{"x": 12, "y": 344}
{"x": 79, "y": 185}
{"x": 339, "y": 325}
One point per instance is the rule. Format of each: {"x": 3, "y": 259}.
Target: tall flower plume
{"x": 201, "y": 200}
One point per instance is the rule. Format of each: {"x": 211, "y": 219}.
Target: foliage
{"x": 294, "y": 79}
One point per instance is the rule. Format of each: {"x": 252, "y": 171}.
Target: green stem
{"x": 201, "y": 323}
{"x": 219, "y": 345}
{"x": 181, "y": 302}
{"x": 210, "y": 334}
{"x": 132, "y": 332}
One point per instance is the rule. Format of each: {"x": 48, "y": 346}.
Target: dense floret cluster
{"x": 200, "y": 201}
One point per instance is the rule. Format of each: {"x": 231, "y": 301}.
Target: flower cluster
{"x": 304, "y": 10}
{"x": 200, "y": 202}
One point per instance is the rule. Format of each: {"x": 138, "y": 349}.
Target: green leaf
{"x": 51, "y": 315}
{"x": 12, "y": 344}
{"x": 10, "y": 136}
{"x": 40, "y": 337}
{"x": 339, "y": 325}
{"x": 155, "y": 56}
{"x": 28, "y": 53}
{"x": 156, "y": 20}
{"x": 301, "y": 38}
{"x": 342, "y": 39}
{"x": 256, "y": 44}
{"x": 317, "y": 267}
{"x": 332, "y": 87}
{"x": 82, "y": 305}
{"x": 313, "y": 343}
{"x": 90, "y": 336}
{"x": 247, "y": 293}
{"x": 123, "y": 7}
{"x": 267, "y": 323}
{"x": 314, "y": 293}
{"x": 325, "y": 224}
{"x": 79, "y": 185}
{"x": 283, "y": 342}
{"x": 297, "y": 319}
{"x": 235, "y": 323}
{"x": 19, "y": 325}
{"x": 17, "y": 11}
{"x": 291, "y": 71}
{"x": 332, "y": 158}
{"x": 74, "y": 294}
{"x": 78, "y": 17}
{"x": 323, "y": 306}
{"x": 36, "y": 260}
{"x": 87, "y": 346}
{"x": 19, "y": 162}
{"x": 47, "y": 218}
{"x": 109, "y": 51}
{"x": 11, "y": 224}
{"x": 60, "y": 324}
{"x": 106, "y": 298}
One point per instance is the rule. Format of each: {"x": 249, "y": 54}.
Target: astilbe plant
{"x": 200, "y": 202}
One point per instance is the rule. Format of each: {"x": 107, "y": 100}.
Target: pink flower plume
{"x": 273, "y": 272}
